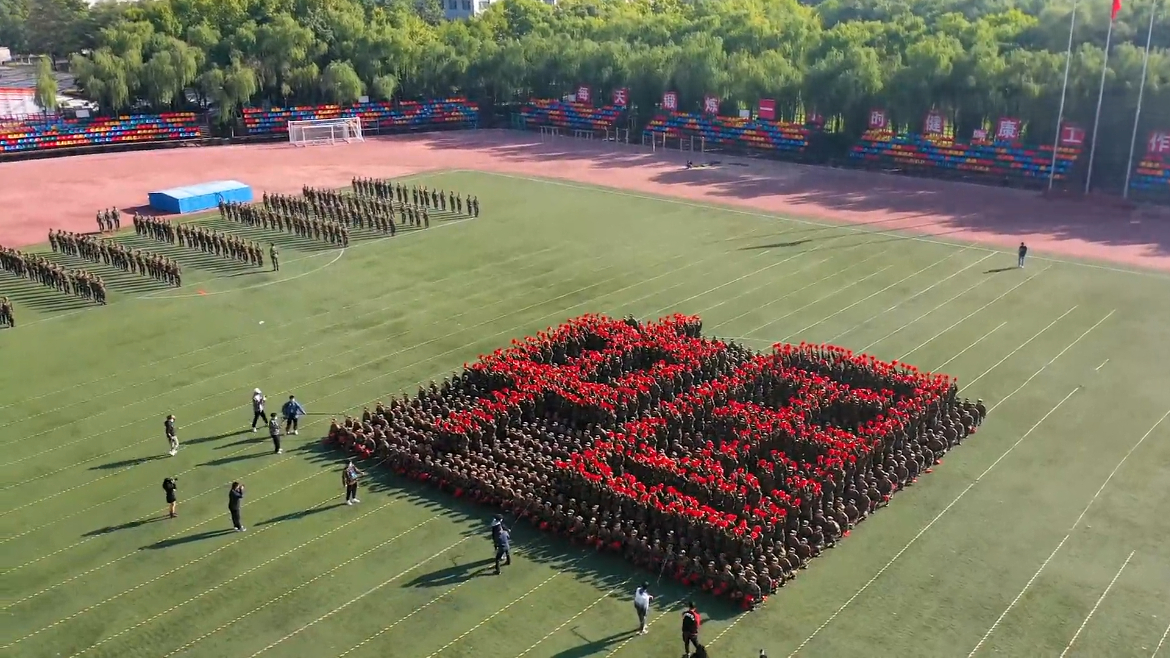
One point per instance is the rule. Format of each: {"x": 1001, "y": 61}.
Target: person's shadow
{"x": 591, "y": 648}
{"x": 177, "y": 541}
{"x": 453, "y": 575}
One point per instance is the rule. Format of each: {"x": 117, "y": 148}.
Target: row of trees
{"x": 975, "y": 60}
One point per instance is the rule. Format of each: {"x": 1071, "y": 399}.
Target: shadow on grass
{"x": 241, "y": 442}
{"x": 292, "y": 516}
{"x": 179, "y": 541}
{"x": 594, "y": 647}
{"x": 603, "y": 571}
{"x": 125, "y": 463}
{"x": 216, "y": 437}
{"x": 1001, "y": 269}
{"x": 222, "y": 461}
{"x": 454, "y": 574}
{"x": 123, "y": 526}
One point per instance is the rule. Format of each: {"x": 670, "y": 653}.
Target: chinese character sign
{"x": 979, "y": 135}
{"x": 1159, "y": 143}
{"x": 878, "y": 120}
{"x": 621, "y": 97}
{"x": 1071, "y": 135}
{"x": 584, "y": 94}
{"x": 710, "y": 104}
{"x": 1008, "y": 129}
{"x": 768, "y": 109}
{"x": 935, "y": 124}
{"x": 670, "y": 101}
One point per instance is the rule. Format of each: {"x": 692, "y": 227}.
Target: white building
{"x": 457, "y": 9}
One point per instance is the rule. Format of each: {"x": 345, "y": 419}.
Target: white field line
{"x": 238, "y": 539}
{"x": 240, "y": 575}
{"x": 963, "y": 351}
{"x": 911, "y": 297}
{"x": 380, "y": 359}
{"x": 871, "y": 295}
{"x": 1098, "y": 368}
{"x": 770, "y": 282}
{"x": 495, "y": 614}
{"x": 1162, "y": 641}
{"x": 570, "y": 619}
{"x": 942, "y": 304}
{"x": 299, "y": 322}
{"x": 355, "y": 599}
{"x": 965, "y": 318}
{"x": 805, "y": 287}
{"x": 299, "y": 587}
{"x": 1096, "y": 605}
{"x": 818, "y": 300}
{"x": 927, "y": 527}
{"x": 901, "y": 234}
{"x": 205, "y": 380}
{"x": 1050, "y": 361}
{"x": 1076, "y": 523}
{"x": 442, "y": 354}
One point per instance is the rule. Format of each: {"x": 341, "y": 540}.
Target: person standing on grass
{"x": 274, "y": 432}
{"x": 349, "y": 478}
{"x": 235, "y": 495}
{"x": 691, "y": 621}
{"x": 258, "y": 414}
{"x": 274, "y": 254}
{"x": 292, "y": 411}
{"x": 172, "y": 437}
{"x": 6, "y": 317}
{"x": 1023, "y": 251}
{"x": 503, "y": 541}
{"x": 169, "y": 486}
{"x": 642, "y": 599}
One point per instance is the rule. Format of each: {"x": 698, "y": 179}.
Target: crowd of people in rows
{"x": 37, "y": 268}
{"x": 417, "y": 195}
{"x": 723, "y": 468}
{"x": 117, "y": 255}
{"x": 193, "y": 236}
{"x": 263, "y": 216}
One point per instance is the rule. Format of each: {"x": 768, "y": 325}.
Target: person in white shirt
{"x": 258, "y": 400}
{"x": 642, "y": 601}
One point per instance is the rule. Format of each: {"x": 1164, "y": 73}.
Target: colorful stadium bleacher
{"x": 751, "y": 133}
{"x": 996, "y": 159}
{"x": 570, "y": 115}
{"x": 381, "y": 115}
{"x": 1152, "y": 174}
{"x": 55, "y": 133}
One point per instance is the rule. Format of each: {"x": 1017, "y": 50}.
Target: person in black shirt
{"x": 235, "y": 495}
{"x": 691, "y": 620}
{"x": 172, "y": 437}
{"x": 170, "y": 485}
{"x": 1023, "y": 252}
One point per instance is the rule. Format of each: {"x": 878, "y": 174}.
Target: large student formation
{"x": 369, "y": 207}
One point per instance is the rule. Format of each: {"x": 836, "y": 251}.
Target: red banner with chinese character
{"x": 768, "y": 109}
{"x": 670, "y": 101}
{"x": 710, "y": 104}
{"x": 584, "y": 94}
{"x": 1158, "y": 143}
{"x": 1007, "y": 129}
{"x": 878, "y": 120}
{"x": 621, "y": 97}
{"x": 934, "y": 124}
{"x": 1072, "y": 135}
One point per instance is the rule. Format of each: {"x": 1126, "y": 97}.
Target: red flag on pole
{"x": 1116, "y": 8}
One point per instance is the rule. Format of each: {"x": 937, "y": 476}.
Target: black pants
{"x": 502, "y": 553}
{"x": 641, "y": 615}
{"x": 275, "y": 443}
{"x": 351, "y": 491}
{"x": 236, "y": 522}
{"x": 258, "y": 416}
{"x": 290, "y": 424}
{"x": 688, "y": 640}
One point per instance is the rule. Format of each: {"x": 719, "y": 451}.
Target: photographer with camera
{"x": 235, "y": 495}
{"x": 170, "y": 485}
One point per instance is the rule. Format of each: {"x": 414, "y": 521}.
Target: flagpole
{"x": 1141, "y": 91}
{"x": 1100, "y": 97}
{"x": 1063, "y": 93}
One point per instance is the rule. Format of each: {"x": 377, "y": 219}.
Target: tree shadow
{"x": 124, "y": 526}
{"x": 179, "y": 541}
{"x": 593, "y": 647}
{"x": 125, "y": 463}
{"x": 454, "y": 574}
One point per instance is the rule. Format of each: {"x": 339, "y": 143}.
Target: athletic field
{"x": 1042, "y": 535}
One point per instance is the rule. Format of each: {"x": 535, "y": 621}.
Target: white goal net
{"x": 325, "y": 131}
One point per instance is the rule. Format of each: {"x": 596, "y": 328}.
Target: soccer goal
{"x": 325, "y": 131}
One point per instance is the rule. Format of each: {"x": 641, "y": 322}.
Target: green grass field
{"x": 1048, "y": 525}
